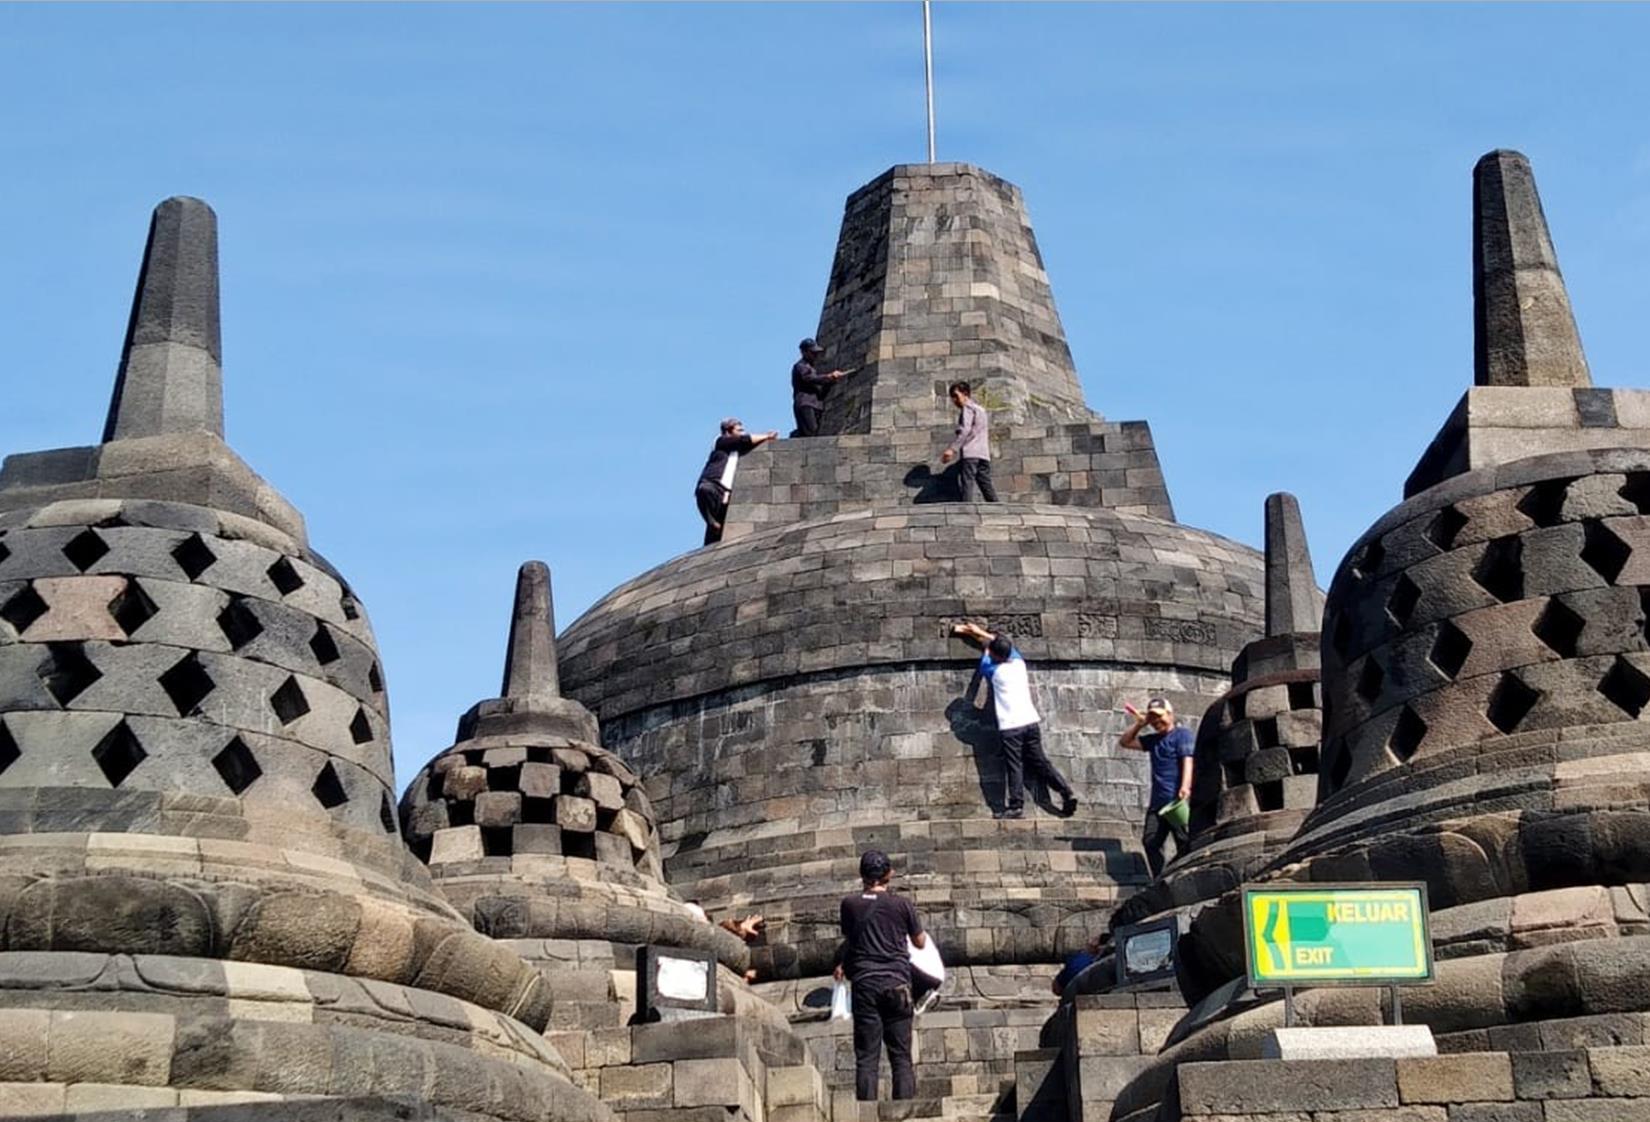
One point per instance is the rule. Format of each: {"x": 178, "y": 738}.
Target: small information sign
{"x": 1337, "y": 934}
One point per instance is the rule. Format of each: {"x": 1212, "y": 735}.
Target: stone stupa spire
{"x": 1293, "y": 602}
{"x": 1524, "y": 333}
{"x": 171, "y": 372}
{"x": 530, "y": 664}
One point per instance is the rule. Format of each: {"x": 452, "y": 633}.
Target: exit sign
{"x": 1337, "y": 934}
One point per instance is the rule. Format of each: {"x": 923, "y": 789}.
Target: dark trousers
{"x": 807, "y": 419}
{"x": 1158, "y": 830}
{"x": 975, "y": 471}
{"x": 713, "y": 508}
{"x": 1023, "y": 749}
{"x": 882, "y": 1017}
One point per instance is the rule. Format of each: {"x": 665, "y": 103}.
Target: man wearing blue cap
{"x": 875, "y": 926}
{"x": 809, "y": 387}
{"x": 1169, "y": 743}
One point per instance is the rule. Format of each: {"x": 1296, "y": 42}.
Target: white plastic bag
{"x": 842, "y": 1004}
{"x": 927, "y": 959}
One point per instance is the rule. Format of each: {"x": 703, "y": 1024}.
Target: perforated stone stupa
{"x": 203, "y": 894}
{"x": 1486, "y": 671}
{"x": 792, "y": 696}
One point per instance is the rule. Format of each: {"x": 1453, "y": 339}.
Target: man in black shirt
{"x": 875, "y": 926}
{"x": 711, "y": 493}
{"x": 809, "y": 387}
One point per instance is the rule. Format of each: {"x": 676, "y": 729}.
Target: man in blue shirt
{"x": 1170, "y": 744}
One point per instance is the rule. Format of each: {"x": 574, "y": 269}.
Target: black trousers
{"x": 1158, "y": 830}
{"x": 975, "y": 471}
{"x": 713, "y": 508}
{"x": 882, "y": 1018}
{"x": 1023, "y": 749}
{"x": 807, "y": 419}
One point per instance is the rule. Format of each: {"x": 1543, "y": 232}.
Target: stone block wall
{"x": 1105, "y": 1040}
{"x": 1088, "y": 464}
{"x": 937, "y": 278}
{"x": 1603, "y": 1084}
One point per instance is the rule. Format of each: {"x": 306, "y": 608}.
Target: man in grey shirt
{"x": 973, "y": 443}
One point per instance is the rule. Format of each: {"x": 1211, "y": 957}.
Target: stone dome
{"x": 795, "y": 696}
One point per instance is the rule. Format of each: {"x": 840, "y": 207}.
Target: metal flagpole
{"x": 928, "y": 71}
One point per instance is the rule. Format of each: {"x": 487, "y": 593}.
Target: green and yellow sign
{"x": 1337, "y": 934}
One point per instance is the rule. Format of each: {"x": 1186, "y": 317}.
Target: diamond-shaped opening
{"x": 1232, "y": 773}
{"x": 323, "y": 646}
{"x": 1304, "y": 761}
{"x": 132, "y": 608}
{"x": 1449, "y": 650}
{"x": 289, "y": 701}
{"x": 1401, "y": 604}
{"x": 24, "y": 607}
{"x": 9, "y": 751}
{"x": 237, "y": 766}
{"x": 461, "y": 813}
{"x": 1500, "y": 572}
{"x": 67, "y": 672}
{"x": 1636, "y": 490}
{"x": 1340, "y": 769}
{"x": 539, "y": 754}
{"x": 1543, "y": 503}
{"x": 1302, "y": 695}
{"x": 1369, "y": 561}
{"x": 284, "y": 577}
{"x": 507, "y": 778}
{"x": 118, "y": 753}
{"x": 1445, "y": 526}
{"x": 347, "y": 604}
{"x": 328, "y": 788}
{"x": 194, "y": 556}
{"x": 187, "y": 684}
{"x": 360, "y": 729}
{"x": 497, "y": 841}
{"x": 375, "y": 679}
{"x": 1559, "y": 628}
{"x": 239, "y": 624}
{"x": 1370, "y": 681}
{"x": 1266, "y": 732}
{"x": 85, "y": 549}
{"x": 1626, "y": 687}
{"x": 540, "y": 811}
{"x": 1606, "y": 553}
{"x": 386, "y": 812}
{"x": 1269, "y": 796}
{"x": 1407, "y": 735}
{"x": 1510, "y": 702}
{"x": 578, "y": 845}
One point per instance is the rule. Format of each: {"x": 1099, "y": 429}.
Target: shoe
{"x": 1011, "y": 812}
{"x": 1069, "y": 807}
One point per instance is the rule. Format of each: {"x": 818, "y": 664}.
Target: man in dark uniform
{"x": 875, "y": 926}
{"x": 809, "y": 387}
{"x": 711, "y": 493}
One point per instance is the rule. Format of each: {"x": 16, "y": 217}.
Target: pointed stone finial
{"x": 1524, "y": 331}
{"x": 1293, "y": 602}
{"x": 171, "y": 374}
{"x": 530, "y": 666}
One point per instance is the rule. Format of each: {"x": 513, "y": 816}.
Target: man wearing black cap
{"x": 809, "y": 387}
{"x": 875, "y": 926}
{"x": 715, "y": 484}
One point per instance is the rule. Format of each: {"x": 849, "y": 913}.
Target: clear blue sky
{"x": 491, "y": 274}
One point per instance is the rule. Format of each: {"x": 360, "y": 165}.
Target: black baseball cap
{"x": 810, "y": 345}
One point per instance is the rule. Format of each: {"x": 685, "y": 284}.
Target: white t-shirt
{"x": 1011, "y": 690}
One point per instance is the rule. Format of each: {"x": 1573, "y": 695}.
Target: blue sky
{"x": 491, "y": 273}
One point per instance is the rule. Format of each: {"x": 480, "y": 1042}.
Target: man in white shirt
{"x": 1017, "y": 720}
